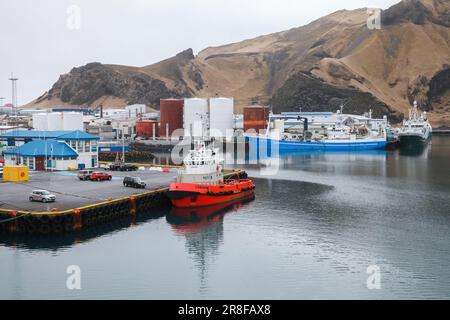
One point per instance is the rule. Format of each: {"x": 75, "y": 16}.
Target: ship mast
{"x": 413, "y": 114}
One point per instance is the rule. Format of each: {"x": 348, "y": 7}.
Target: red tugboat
{"x": 201, "y": 183}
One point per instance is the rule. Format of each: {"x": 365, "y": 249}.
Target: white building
{"x": 55, "y": 150}
{"x": 124, "y": 127}
{"x": 135, "y": 110}
{"x": 115, "y": 113}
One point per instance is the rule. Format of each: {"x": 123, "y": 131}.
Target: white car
{"x": 42, "y": 196}
{"x": 103, "y": 166}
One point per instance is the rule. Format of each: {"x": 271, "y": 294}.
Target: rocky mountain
{"x": 334, "y": 60}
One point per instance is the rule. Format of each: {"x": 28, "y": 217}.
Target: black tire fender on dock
{"x": 58, "y": 228}
{"x": 31, "y": 228}
{"x": 45, "y": 229}
{"x": 57, "y": 218}
{"x": 44, "y": 219}
{"x": 68, "y": 218}
{"x": 92, "y": 220}
{"x": 20, "y": 227}
{"x": 84, "y": 216}
{"x": 68, "y": 227}
{"x": 30, "y": 219}
{"x": 105, "y": 211}
{"x": 88, "y": 221}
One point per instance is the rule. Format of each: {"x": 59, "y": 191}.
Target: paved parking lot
{"x": 72, "y": 193}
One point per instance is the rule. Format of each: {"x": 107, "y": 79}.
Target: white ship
{"x": 415, "y": 130}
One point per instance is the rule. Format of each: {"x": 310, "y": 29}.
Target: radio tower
{"x": 14, "y": 93}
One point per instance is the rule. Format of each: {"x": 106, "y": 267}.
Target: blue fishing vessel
{"x": 341, "y": 133}
{"x": 325, "y": 145}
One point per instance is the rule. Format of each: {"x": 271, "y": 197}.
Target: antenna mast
{"x": 14, "y": 93}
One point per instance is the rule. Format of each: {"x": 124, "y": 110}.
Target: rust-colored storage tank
{"x": 144, "y": 128}
{"x": 256, "y": 117}
{"x": 171, "y": 114}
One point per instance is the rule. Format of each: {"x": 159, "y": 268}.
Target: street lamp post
{"x": 14, "y": 93}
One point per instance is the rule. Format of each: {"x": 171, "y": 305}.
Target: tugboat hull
{"x": 185, "y": 195}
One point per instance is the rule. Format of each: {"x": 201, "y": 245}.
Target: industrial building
{"x": 42, "y": 155}
{"x": 103, "y": 131}
{"x": 57, "y": 150}
{"x": 113, "y": 113}
{"x": 135, "y": 110}
{"x": 124, "y": 128}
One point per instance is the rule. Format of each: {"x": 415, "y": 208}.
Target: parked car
{"x": 122, "y": 167}
{"x": 84, "y": 174}
{"x": 42, "y": 196}
{"x": 99, "y": 176}
{"x": 134, "y": 182}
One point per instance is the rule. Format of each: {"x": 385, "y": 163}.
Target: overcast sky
{"x": 42, "y": 39}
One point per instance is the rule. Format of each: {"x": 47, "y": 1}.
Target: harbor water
{"x": 313, "y": 231}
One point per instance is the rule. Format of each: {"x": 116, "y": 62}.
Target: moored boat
{"x": 416, "y": 130}
{"x": 344, "y": 134}
{"x": 201, "y": 182}
{"x": 392, "y": 138}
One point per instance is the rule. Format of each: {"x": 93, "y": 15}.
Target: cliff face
{"x": 90, "y": 84}
{"x": 334, "y": 60}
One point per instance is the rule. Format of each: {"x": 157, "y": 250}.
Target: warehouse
{"x": 26, "y": 143}
{"x": 42, "y": 155}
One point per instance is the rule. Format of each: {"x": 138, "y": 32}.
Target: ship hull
{"x": 323, "y": 146}
{"x": 413, "y": 140}
{"x": 185, "y": 195}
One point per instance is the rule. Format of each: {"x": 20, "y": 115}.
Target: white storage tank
{"x": 40, "y": 121}
{"x": 54, "y": 121}
{"x": 195, "y": 117}
{"x": 221, "y": 116}
{"x": 72, "y": 121}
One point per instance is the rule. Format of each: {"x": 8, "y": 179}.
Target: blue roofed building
{"x": 51, "y": 150}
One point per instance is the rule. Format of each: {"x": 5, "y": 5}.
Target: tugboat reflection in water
{"x": 190, "y": 220}
{"x": 203, "y": 230}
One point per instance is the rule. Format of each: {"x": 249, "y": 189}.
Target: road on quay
{"x": 72, "y": 193}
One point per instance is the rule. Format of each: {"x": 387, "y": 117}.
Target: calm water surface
{"x": 311, "y": 233}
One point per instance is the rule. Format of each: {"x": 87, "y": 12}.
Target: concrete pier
{"x": 72, "y": 193}
{"x": 81, "y": 204}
